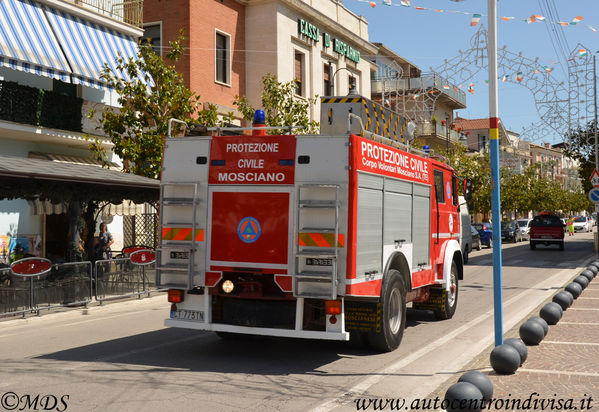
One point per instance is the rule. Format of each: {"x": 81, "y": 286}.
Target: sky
{"x": 428, "y": 37}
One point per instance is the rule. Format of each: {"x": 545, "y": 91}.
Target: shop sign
{"x": 312, "y": 32}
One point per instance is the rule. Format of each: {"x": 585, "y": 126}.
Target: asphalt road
{"x": 119, "y": 357}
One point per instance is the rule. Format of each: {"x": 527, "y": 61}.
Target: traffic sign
{"x": 595, "y": 178}
{"x": 594, "y": 195}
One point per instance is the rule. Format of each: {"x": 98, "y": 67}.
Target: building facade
{"x": 233, "y": 44}
{"x": 51, "y": 56}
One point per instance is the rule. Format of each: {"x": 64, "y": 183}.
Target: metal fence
{"x": 74, "y": 284}
{"x": 118, "y": 278}
{"x": 67, "y": 284}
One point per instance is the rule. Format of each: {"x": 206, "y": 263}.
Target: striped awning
{"x": 88, "y": 46}
{"x": 27, "y": 42}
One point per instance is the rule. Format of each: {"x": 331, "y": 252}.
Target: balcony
{"x": 427, "y": 82}
{"x": 46, "y": 116}
{"x": 128, "y": 11}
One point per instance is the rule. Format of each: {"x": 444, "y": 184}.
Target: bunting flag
{"x": 576, "y": 19}
{"x": 519, "y": 77}
{"x": 446, "y": 87}
{"x": 372, "y": 4}
{"x": 582, "y": 52}
{"x": 387, "y": 2}
{"x": 593, "y": 29}
{"x": 405, "y": 3}
{"x": 539, "y": 17}
{"x": 536, "y": 71}
{"x": 547, "y": 69}
{"x": 531, "y": 19}
{"x": 475, "y": 20}
{"x": 505, "y": 78}
{"x": 507, "y": 18}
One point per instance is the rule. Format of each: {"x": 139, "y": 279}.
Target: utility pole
{"x": 495, "y": 183}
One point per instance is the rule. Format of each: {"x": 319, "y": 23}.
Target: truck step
{"x": 318, "y": 204}
{"x": 178, "y": 201}
{"x": 318, "y": 229}
{"x": 314, "y": 276}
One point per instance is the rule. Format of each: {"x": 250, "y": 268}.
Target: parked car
{"x": 475, "y": 239}
{"x": 546, "y": 229}
{"x": 510, "y": 231}
{"x": 485, "y": 232}
{"x": 582, "y": 224}
{"x": 524, "y": 225}
{"x": 466, "y": 230}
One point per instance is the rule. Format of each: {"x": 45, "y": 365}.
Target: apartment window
{"x": 222, "y": 60}
{"x": 152, "y": 35}
{"x": 326, "y": 74}
{"x": 482, "y": 142}
{"x": 299, "y": 73}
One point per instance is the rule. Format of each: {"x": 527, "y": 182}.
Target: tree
{"x": 581, "y": 146}
{"x": 138, "y": 128}
{"x": 281, "y": 107}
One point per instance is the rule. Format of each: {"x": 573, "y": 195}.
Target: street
{"x": 120, "y": 357}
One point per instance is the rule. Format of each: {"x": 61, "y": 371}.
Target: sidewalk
{"x": 564, "y": 366}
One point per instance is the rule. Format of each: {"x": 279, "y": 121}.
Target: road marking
{"x": 553, "y": 372}
{"x": 579, "y": 323}
{"x": 364, "y": 385}
{"x": 572, "y": 343}
{"x": 587, "y": 298}
{"x": 583, "y": 309}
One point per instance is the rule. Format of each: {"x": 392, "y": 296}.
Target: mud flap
{"x": 436, "y": 300}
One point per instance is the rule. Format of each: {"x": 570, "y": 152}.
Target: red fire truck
{"x": 309, "y": 236}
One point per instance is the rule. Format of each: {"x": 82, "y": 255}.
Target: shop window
{"x": 352, "y": 84}
{"x": 222, "y": 60}
{"x": 299, "y": 73}
{"x": 152, "y": 35}
{"x": 326, "y": 74}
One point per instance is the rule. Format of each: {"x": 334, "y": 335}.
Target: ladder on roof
{"x": 184, "y": 198}
{"x": 317, "y": 241}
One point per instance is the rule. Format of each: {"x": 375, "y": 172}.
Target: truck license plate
{"x": 179, "y": 255}
{"x": 184, "y": 314}
{"x": 319, "y": 262}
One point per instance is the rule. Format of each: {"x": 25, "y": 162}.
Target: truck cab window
{"x": 454, "y": 189}
{"x": 440, "y": 193}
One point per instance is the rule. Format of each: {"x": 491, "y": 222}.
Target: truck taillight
{"x": 332, "y": 307}
{"x": 175, "y": 295}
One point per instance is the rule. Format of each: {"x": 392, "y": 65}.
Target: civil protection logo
{"x": 249, "y": 229}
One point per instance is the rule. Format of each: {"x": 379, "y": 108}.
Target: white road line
{"x": 583, "y": 309}
{"x": 365, "y": 384}
{"x": 579, "y": 323}
{"x": 572, "y": 343}
{"x": 582, "y": 297}
{"x": 558, "y": 372}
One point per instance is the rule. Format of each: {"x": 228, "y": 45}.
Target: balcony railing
{"x": 428, "y": 81}
{"x": 128, "y": 11}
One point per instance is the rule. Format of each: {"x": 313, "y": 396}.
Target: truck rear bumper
{"x": 286, "y": 333}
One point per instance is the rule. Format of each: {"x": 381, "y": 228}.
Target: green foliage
{"x": 37, "y": 107}
{"x": 281, "y": 107}
{"x": 581, "y": 146}
{"x": 139, "y": 127}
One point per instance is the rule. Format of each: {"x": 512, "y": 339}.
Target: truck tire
{"x": 561, "y": 245}
{"x": 533, "y": 245}
{"x": 393, "y": 314}
{"x": 451, "y": 298}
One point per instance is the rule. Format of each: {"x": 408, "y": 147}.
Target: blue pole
{"x": 495, "y": 182}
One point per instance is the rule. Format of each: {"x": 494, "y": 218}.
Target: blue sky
{"x": 427, "y": 37}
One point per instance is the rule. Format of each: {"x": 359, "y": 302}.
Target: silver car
{"x": 524, "y": 228}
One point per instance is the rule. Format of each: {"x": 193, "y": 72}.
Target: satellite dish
{"x": 410, "y": 128}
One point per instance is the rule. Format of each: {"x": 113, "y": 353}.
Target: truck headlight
{"x": 228, "y": 286}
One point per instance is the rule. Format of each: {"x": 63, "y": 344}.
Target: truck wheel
{"x": 532, "y": 245}
{"x": 393, "y": 314}
{"x": 561, "y": 245}
{"x": 451, "y": 298}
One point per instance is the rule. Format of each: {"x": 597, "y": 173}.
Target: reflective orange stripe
{"x": 181, "y": 233}
{"x": 321, "y": 239}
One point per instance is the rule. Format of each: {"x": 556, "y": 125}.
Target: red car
{"x": 546, "y": 229}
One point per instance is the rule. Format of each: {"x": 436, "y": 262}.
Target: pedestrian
{"x": 570, "y": 223}
{"x": 105, "y": 240}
